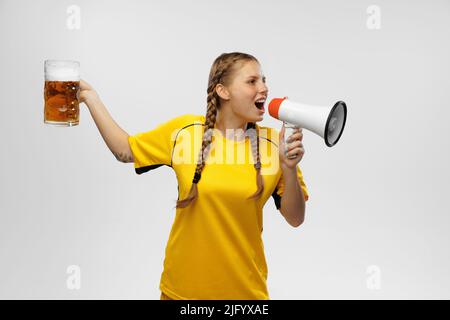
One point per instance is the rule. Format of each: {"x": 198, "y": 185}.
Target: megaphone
{"x": 327, "y": 122}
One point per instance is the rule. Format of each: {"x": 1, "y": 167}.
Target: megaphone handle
{"x": 288, "y": 131}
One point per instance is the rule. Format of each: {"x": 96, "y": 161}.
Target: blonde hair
{"x": 221, "y": 71}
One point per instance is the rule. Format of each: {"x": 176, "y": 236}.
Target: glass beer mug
{"x": 61, "y": 92}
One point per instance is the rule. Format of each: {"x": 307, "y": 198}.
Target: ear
{"x": 222, "y": 91}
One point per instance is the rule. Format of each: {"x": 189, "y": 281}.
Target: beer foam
{"x": 62, "y": 71}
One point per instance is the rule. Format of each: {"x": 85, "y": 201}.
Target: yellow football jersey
{"x": 215, "y": 248}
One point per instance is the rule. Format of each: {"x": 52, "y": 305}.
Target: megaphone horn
{"x": 327, "y": 122}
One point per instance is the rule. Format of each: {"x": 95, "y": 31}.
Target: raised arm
{"x": 114, "y": 136}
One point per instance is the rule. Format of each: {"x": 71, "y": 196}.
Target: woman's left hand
{"x": 294, "y": 147}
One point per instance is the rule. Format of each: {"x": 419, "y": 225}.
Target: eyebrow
{"x": 263, "y": 78}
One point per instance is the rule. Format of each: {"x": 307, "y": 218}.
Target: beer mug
{"x": 61, "y": 92}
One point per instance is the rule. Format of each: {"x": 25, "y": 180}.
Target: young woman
{"x": 227, "y": 167}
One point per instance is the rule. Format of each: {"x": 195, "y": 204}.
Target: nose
{"x": 264, "y": 89}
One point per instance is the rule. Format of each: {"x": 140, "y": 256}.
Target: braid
{"x": 254, "y": 139}
{"x": 210, "y": 121}
{"x": 219, "y": 74}
{"x": 204, "y": 151}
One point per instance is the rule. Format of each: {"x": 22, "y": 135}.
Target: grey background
{"x": 377, "y": 198}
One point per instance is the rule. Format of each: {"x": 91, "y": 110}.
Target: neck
{"x": 230, "y": 126}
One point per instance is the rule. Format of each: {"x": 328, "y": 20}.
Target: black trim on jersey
{"x": 269, "y": 141}
{"x": 175, "y": 142}
{"x": 276, "y": 199}
{"x": 148, "y": 168}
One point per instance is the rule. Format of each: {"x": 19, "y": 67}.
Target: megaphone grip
{"x": 288, "y": 131}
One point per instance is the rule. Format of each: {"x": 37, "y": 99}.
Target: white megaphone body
{"x": 327, "y": 122}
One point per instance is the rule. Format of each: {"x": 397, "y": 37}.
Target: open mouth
{"x": 260, "y": 105}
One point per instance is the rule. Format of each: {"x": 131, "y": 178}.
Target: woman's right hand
{"x": 87, "y": 92}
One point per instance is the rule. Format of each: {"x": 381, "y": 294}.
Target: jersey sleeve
{"x": 153, "y": 148}
{"x": 279, "y": 189}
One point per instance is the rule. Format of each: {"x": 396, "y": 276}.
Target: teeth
{"x": 261, "y": 101}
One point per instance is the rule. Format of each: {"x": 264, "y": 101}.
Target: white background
{"x": 378, "y": 198}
